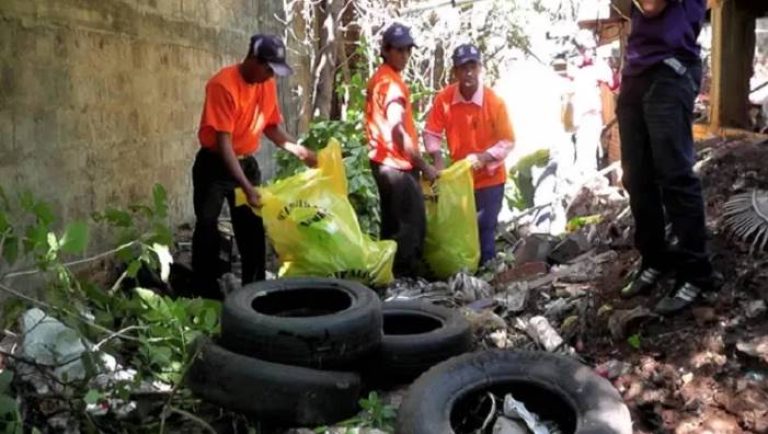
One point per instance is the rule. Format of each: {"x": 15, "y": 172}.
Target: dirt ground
{"x": 685, "y": 372}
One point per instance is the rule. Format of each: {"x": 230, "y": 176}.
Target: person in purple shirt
{"x": 655, "y": 111}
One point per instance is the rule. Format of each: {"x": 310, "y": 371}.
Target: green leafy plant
{"x": 10, "y": 419}
{"x": 151, "y": 332}
{"x": 577, "y": 223}
{"x": 634, "y": 341}
{"x": 519, "y": 191}
{"x": 375, "y": 414}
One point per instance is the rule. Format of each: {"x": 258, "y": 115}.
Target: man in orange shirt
{"x": 474, "y": 120}
{"x": 394, "y": 152}
{"x": 240, "y": 104}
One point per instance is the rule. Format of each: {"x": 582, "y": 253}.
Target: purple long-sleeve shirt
{"x": 673, "y": 33}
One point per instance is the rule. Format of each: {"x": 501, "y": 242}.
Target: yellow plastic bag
{"x": 314, "y": 229}
{"x": 452, "y": 242}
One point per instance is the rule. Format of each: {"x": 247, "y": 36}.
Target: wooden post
{"x": 733, "y": 46}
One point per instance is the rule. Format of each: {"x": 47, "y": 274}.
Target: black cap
{"x": 465, "y": 53}
{"x": 270, "y": 49}
{"x": 398, "y": 36}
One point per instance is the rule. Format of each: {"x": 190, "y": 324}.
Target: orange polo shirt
{"x": 473, "y": 127}
{"x": 239, "y": 108}
{"x": 384, "y": 88}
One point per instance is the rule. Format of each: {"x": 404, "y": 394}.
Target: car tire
{"x": 271, "y": 392}
{"x": 555, "y": 387}
{"x": 416, "y": 336}
{"x": 313, "y": 322}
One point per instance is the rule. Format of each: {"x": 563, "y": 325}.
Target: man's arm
{"x": 283, "y": 140}
{"x": 433, "y": 144}
{"x": 224, "y": 145}
{"x": 401, "y": 138}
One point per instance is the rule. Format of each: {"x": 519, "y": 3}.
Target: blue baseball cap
{"x": 398, "y": 36}
{"x": 270, "y": 49}
{"x": 465, "y": 53}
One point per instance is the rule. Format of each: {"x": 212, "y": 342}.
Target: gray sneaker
{"x": 685, "y": 295}
{"x": 642, "y": 281}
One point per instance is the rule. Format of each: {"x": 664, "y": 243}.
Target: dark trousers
{"x": 403, "y": 217}
{"x": 655, "y": 113}
{"x": 488, "y": 201}
{"x": 212, "y": 185}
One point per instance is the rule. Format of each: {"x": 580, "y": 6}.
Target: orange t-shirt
{"x": 471, "y": 129}
{"x": 384, "y": 88}
{"x": 239, "y": 108}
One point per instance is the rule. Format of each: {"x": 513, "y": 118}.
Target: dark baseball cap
{"x": 397, "y": 35}
{"x": 270, "y": 49}
{"x": 465, "y": 53}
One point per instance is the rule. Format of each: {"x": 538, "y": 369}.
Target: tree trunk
{"x": 327, "y": 59}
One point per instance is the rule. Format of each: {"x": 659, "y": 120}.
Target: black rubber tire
{"x": 347, "y": 331}
{"x": 405, "y": 353}
{"x": 589, "y": 402}
{"x": 272, "y": 392}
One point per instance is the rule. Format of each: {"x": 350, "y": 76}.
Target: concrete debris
{"x": 534, "y": 248}
{"x": 514, "y": 298}
{"x": 572, "y": 246}
{"x": 500, "y": 339}
{"x": 622, "y": 321}
{"x": 612, "y": 369}
{"x": 485, "y": 321}
{"x": 544, "y": 334}
{"x": 755, "y": 309}
{"x": 469, "y": 288}
{"x": 526, "y": 271}
{"x": 757, "y": 347}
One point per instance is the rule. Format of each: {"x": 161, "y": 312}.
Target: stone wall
{"x": 100, "y": 99}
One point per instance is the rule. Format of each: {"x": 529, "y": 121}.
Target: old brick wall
{"x": 100, "y": 99}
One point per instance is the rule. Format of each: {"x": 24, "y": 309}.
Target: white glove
{"x": 474, "y": 160}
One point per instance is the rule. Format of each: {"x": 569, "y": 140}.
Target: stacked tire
{"x": 302, "y": 351}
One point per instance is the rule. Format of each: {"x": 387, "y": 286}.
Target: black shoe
{"x": 642, "y": 281}
{"x": 685, "y": 295}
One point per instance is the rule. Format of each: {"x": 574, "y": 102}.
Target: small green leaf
{"x": 160, "y": 198}
{"x": 6, "y": 377}
{"x": 75, "y": 238}
{"x": 92, "y": 396}
{"x": 133, "y": 268}
{"x": 44, "y": 213}
{"x": 634, "y": 341}
{"x": 11, "y": 250}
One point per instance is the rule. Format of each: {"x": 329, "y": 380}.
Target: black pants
{"x": 655, "y": 113}
{"x": 403, "y": 217}
{"x": 213, "y": 184}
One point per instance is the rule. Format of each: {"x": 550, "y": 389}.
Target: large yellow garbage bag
{"x": 314, "y": 229}
{"x": 452, "y": 244}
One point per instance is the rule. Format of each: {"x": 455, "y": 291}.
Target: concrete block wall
{"x": 100, "y": 99}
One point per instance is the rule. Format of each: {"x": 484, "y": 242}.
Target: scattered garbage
{"x": 516, "y": 410}
{"x": 757, "y": 347}
{"x": 612, "y": 369}
{"x": 469, "y": 288}
{"x": 504, "y": 425}
{"x": 514, "y": 298}
{"x": 572, "y": 246}
{"x": 544, "y": 334}
{"x": 622, "y": 321}
{"x": 755, "y": 309}
{"x": 48, "y": 342}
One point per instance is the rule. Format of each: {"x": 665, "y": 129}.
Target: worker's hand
{"x": 430, "y": 173}
{"x": 306, "y": 155}
{"x": 253, "y": 197}
{"x": 476, "y": 161}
